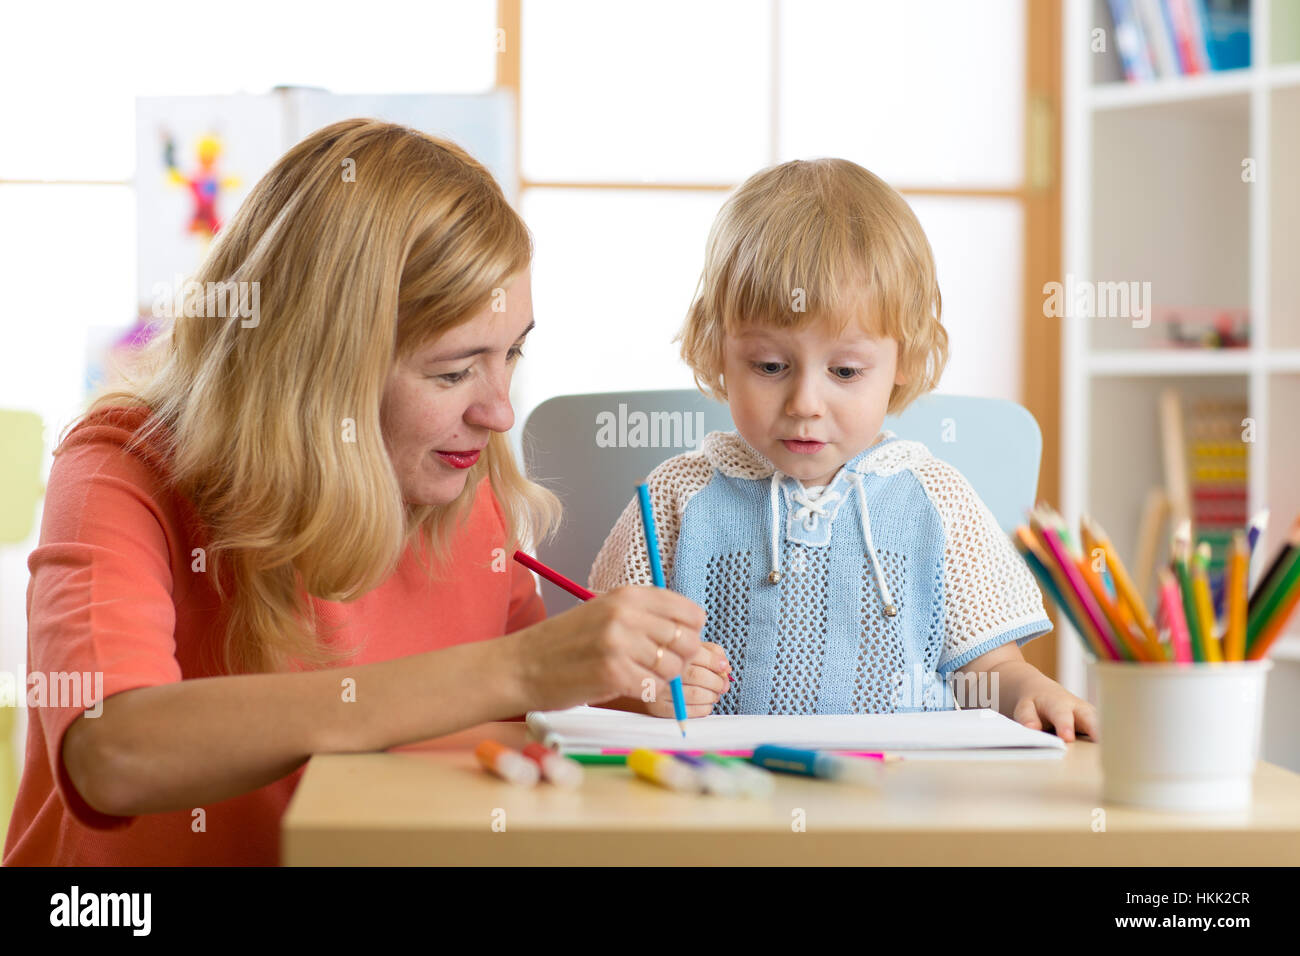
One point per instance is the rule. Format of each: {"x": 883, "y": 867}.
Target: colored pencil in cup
{"x": 1172, "y": 603}
{"x": 1272, "y": 627}
{"x": 1042, "y": 565}
{"x": 1204, "y": 606}
{"x": 1234, "y": 645}
{"x": 1181, "y": 551}
{"x": 1258, "y": 525}
{"x": 656, "y": 569}
{"x": 1128, "y": 592}
{"x": 1275, "y": 598}
{"x": 1133, "y": 649}
{"x": 1277, "y": 565}
{"x": 1076, "y": 583}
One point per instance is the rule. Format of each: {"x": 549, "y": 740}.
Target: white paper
{"x": 592, "y": 729}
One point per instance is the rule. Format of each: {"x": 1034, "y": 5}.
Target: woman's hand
{"x": 612, "y": 646}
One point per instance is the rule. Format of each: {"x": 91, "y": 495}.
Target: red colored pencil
{"x": 555, "y": 577}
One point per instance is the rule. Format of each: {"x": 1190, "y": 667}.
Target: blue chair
{"x": 593, "y": 450}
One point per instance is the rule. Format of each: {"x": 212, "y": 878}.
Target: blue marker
{"x": 815, "y": 763}
{"x": 652, "y": 544}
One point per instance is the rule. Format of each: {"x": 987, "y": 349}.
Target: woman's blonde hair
{"x": 367, "y": 240}
{"x": 814, "y": 240}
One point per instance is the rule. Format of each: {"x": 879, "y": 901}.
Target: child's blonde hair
{"x": 813, "y": 240}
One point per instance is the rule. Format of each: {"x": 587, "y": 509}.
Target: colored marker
{"x": 618, "y": 759}
{"x": 674, "y": 750}
{"x": 507, "y": 764}
{"x": 751, "y": 781}
{"x": 712, "y": 777}
{"x": 663, "y": 770}
{"x": 816, "y": 763}
{"x": 559, "y": 770}
{"x": 656, "y": 569}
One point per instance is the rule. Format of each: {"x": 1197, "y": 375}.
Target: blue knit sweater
{"x": 862, "y": 597}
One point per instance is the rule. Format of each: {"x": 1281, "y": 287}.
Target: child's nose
{"x": 804, "y": 400}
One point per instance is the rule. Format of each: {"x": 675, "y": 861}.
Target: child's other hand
{"x": 705, "y": 679}
{"x": 1049, "y": 706}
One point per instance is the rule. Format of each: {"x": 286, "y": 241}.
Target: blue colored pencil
{"x": 652, "y": 545}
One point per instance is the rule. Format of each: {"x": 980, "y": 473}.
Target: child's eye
{"x": 848, "y": 373}
{"x": 769, "y": 368}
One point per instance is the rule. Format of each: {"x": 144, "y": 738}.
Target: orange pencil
{"x": 1133, "y": 648}
{"x": 1275, "y": 627}
{"x": 1124, "y": 587}
{"x": 1234, "y": 646}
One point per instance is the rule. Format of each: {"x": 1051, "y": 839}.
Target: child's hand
{"x": 706, "y": 678}
{"x": 1047, "y": 702}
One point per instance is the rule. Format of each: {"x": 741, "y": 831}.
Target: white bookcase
{"x": 1154, "y": 191}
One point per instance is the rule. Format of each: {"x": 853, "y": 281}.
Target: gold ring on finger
{"x": 659, "y": 655}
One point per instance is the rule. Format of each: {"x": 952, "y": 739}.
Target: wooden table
{"x": 430, "y": 804}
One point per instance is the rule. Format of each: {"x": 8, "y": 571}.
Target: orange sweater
{"x": 112, "y": 591}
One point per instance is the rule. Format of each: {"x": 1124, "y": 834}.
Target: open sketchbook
{"x": 972, "y": 732}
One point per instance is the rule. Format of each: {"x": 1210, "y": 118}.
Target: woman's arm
{"x": 195, "y": 742}
{"x": 188, "y": 743}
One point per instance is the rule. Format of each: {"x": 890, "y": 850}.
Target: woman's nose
{"x": 491, "y": 408}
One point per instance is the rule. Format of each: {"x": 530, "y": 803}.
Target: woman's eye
{"x": 517, "y": 352}
{"x": 452, "y": 378}
{"x": 847, "y": 373}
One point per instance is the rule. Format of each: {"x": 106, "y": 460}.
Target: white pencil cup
{"x": 1180, "y": 736}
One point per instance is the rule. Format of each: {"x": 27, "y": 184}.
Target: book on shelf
{"x": 1155, "y": 39}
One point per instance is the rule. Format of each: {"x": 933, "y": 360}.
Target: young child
{"x": 842, "y": 569}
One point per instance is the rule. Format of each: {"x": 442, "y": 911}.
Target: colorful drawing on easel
{"x": 205, "y": 183}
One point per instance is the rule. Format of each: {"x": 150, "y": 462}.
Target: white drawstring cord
{"x": 810, "y": 510}
{"x": 775, "y": 574}
{"x": 890, "y": 608}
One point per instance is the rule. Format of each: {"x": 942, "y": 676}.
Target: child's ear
{"x": 900, "y": 377}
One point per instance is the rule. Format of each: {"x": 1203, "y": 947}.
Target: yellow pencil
{"x": 1234, "y": 648}
{"x": 1094, "y": 536}
{"x": 1204, "y": 605}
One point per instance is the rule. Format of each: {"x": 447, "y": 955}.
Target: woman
{"x": 289, "y": 535}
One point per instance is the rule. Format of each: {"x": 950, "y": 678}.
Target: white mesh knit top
{"x": 862, "y": 596}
